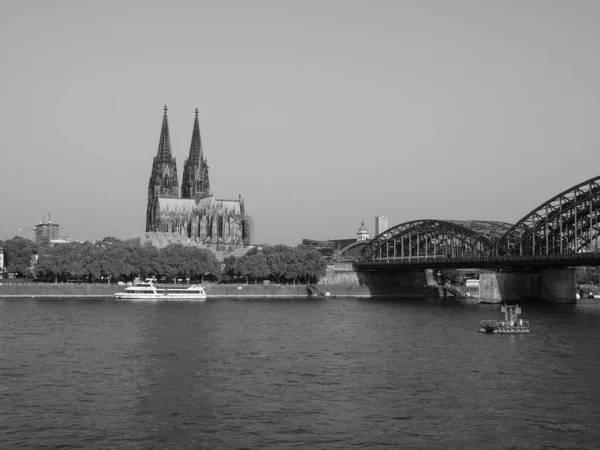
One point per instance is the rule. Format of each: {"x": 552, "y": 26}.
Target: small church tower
{"x": 163, "y": 179}
{"x": 362, "y": 234}
{"x": 195, "y": 183}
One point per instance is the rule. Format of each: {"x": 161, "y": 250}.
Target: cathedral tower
{"x": 195, "y": 183}
{"x": 197, "y": 217}
{"x": 163, "y": 179}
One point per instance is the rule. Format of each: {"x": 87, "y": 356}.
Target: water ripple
{"x": 336, "y": 374}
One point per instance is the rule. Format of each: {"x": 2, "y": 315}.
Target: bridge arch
{"x": 566, "y": 223}
{"x": 436, "y": 238}
{"x": 353, "y": 250}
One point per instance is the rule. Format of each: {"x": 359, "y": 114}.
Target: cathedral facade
{"x": 192, "y": 210}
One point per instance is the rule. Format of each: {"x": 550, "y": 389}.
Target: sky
{"x": 318, "y": 113}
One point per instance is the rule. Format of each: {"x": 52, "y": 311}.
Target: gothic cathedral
{"x": 220, "y": 225}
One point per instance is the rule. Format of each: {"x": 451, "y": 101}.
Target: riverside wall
{"x": 341, "y": 277}
{"x": 552, "y": 285}
{"x": 340, "y": 280}
{"x": 283, "y": 291}
{"x": 10, "y": 289}
{"x": 241, "y": 291}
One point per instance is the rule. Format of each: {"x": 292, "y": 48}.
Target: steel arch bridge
{"x": 562, "y": 231}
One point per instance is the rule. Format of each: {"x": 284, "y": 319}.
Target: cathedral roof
{"x": 190, "y": 205}
{"x": 160, "y": 239}
{"x": 164, "y": 143}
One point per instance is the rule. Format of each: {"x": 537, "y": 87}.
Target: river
{"x": 283, "y": 374}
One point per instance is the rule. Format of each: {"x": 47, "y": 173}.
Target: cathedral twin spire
{"x": 164, "y": 143}
{"x": 164, "y": 180}
{"x": 195, "y": 169}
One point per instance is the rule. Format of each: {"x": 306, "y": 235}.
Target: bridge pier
{"x": 558, "y": 285}
{"x": 410, "y": 283}
{"x": 498, "y": 287}
{"x": 553, "y": 285}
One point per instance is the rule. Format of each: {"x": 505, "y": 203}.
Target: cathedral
{"x": 195, "y": 214}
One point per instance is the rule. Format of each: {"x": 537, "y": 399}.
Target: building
{"x": 341, "y": 249}
{"x": 217, "y": 224}
{"x": 2, "y": 269}
{"x": 45, "y": 231}
{"x": 161, "y": 240}
{"x": 362, "y": 234}
{"x": 248, "y": 231}
{"x": 381, "y": 224}
{"x": 325, "y": 248}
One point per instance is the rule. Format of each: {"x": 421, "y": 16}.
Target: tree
{"x": 313, "y": 264}
{"x": 210, "y": 264}
{"x": 60, "y": 261}
{"x": 450, "y": 275}
{"x": 144, "y": 261}
{"x": 257, "y": 266}
{"x": 18, "y": 253}
{"x": 231, "y": 268}
{"x": 114, "y": 261}
{"x": 277, "y": 260}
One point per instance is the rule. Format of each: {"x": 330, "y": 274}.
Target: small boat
{"x": 511, "y": 323}
{"x": 149, "y": 291}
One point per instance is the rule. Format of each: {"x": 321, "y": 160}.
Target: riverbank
{"x": 215, "y": 291}
{"x": 84, "y": 290}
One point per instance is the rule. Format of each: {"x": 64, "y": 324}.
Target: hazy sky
{"x": 315, "y": 111}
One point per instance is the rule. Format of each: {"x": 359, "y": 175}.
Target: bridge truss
{"x": 567, "y": 224}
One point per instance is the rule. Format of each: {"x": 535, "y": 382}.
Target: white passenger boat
{"x": 149, "y": 291}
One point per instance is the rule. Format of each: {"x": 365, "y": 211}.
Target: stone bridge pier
{"x": 553, "y": 285}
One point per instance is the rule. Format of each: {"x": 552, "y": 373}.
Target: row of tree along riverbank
{"x": 112, "y": 259}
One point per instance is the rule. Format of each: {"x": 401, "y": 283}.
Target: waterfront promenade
{"x": 213, "y": 290}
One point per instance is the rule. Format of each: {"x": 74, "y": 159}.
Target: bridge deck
{"x": 491, "y": 262}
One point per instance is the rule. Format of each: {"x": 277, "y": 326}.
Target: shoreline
{"x": 228, "y": 291}
{"x": 209, "y": 297}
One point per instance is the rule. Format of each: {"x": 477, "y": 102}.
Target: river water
{"x": 317, "y": 374}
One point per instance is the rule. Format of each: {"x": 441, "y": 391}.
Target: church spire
{"x": 163, "y": 178}
{"x": 196, "y": 144}
{"x": 164, "y": 144}
{"x": 195, "y": 182}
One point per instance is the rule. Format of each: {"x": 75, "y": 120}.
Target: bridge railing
{"x": 483, "y": 259}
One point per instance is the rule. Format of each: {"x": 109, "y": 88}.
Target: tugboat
{"x": 511, "y": 323}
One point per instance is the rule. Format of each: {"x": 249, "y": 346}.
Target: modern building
{"x": 2, "y": 269}
{"x": 45, "y": 231}
{"x": 381, "y": 224}
{"x": 218, "y": 224}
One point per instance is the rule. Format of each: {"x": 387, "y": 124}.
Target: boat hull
{"x": 504, "y": 330}
{"x": 159, "y": 297}
{"x": 511, "y": 324}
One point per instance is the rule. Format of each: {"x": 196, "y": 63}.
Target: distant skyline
{"x": 317, "y": 113}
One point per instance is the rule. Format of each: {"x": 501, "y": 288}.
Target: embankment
{"x": 241, "y": 291}
{"x": 58, "y": 290}
{"x": 41, "y": 290}
{"x": 340, "y": 281}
